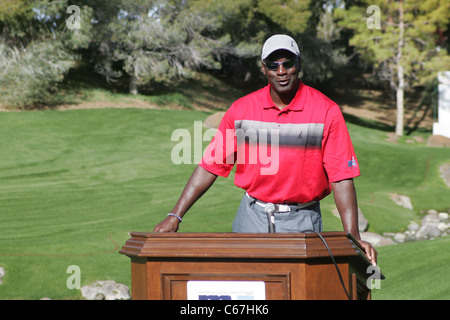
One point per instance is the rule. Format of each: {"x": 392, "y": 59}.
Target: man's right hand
{"x": 198, "y": 183}
{"x": 169, "y": 224}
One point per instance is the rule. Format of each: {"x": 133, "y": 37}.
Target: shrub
{"x": 29, "y": 76}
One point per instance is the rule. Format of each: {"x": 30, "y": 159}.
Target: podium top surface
{"x": 243, "y": 245}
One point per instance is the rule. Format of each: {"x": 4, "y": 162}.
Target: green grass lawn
{"x": 415, "y": 270}
{"x": 73, "y": 184}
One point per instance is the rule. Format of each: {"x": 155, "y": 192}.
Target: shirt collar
{"x": 296, "y": 104}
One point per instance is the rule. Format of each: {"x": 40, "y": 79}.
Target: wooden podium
{"x": 293, "y": 266}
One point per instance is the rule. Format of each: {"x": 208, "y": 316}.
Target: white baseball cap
{"x": 279, "y": 42}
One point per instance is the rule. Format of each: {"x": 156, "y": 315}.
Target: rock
{"x": 213, "y": 120}
{"x": 438, "y": 141}
{"x": 106, "y": 290}
{"x": 413, "y": 227}
{"x": 427, "y": 231}
{"x": 433, "y": 225}
{"x": 402, "y": 200}
{"x": 375, "y": 239}
{"x": 445, "y": 173}
{"x": 443, "y": 215}
{"x": 2, "y": 274}
{"x": 442, "y": 226}
{"x": 363, "y": 223}
{"x": 399, "y": 237}
{"x": 432, "y": 219}
{"x": 408, "y": 234}
{"x": 392, "y": 137}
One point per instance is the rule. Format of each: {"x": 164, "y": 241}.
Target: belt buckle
{"x": 282, "y": 208}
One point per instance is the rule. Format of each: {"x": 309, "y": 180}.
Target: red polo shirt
{"x": 283, "y": 156}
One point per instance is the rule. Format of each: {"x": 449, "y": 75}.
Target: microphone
{"x": 270, "y": 209}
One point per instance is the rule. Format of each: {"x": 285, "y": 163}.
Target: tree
{"x": 399, "y": 38}
{"x": 153, "y": 41}
{"x": 160, "y": 41}
{"x": 248, "y": 23}
{"x": 36, "y": 49}
{"x": 142, "y": 42}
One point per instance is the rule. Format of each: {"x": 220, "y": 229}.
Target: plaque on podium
{"x": 271, "y": 266}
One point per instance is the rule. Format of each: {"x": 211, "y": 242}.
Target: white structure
{"x": 442, "y": 127}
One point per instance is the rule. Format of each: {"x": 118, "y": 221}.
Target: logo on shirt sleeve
{"x": 352, "y": 163}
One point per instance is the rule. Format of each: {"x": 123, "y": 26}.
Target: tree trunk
{"x": 133, "y": 86}
{"x": 400, "y": 103}
{"x": 400, "y": 74}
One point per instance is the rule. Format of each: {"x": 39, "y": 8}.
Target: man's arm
{"x": 198, "y": 184}
{"x": 345, "y": 198}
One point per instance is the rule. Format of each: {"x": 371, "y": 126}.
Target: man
{"x": 311, "y": 154}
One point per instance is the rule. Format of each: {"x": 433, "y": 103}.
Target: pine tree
{"x": 400, "y": 39}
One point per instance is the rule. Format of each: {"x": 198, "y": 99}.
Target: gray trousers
{"x": 251, "y": 218}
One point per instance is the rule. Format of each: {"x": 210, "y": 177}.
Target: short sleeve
{"x": 220, "y": 155}
{"x": 339, "y": 157}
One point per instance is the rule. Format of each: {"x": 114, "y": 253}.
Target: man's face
{"x": 282, "y": 80}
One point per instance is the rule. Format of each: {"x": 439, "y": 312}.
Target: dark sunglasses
{"x": 272, "y": 65}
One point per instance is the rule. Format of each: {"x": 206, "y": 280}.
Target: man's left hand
{"x": 371, "y": 253}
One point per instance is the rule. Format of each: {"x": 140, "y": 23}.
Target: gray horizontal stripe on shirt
{"x": 289, "y": 134}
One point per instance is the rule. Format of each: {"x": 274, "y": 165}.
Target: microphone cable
{"x": 332, "y": 259}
